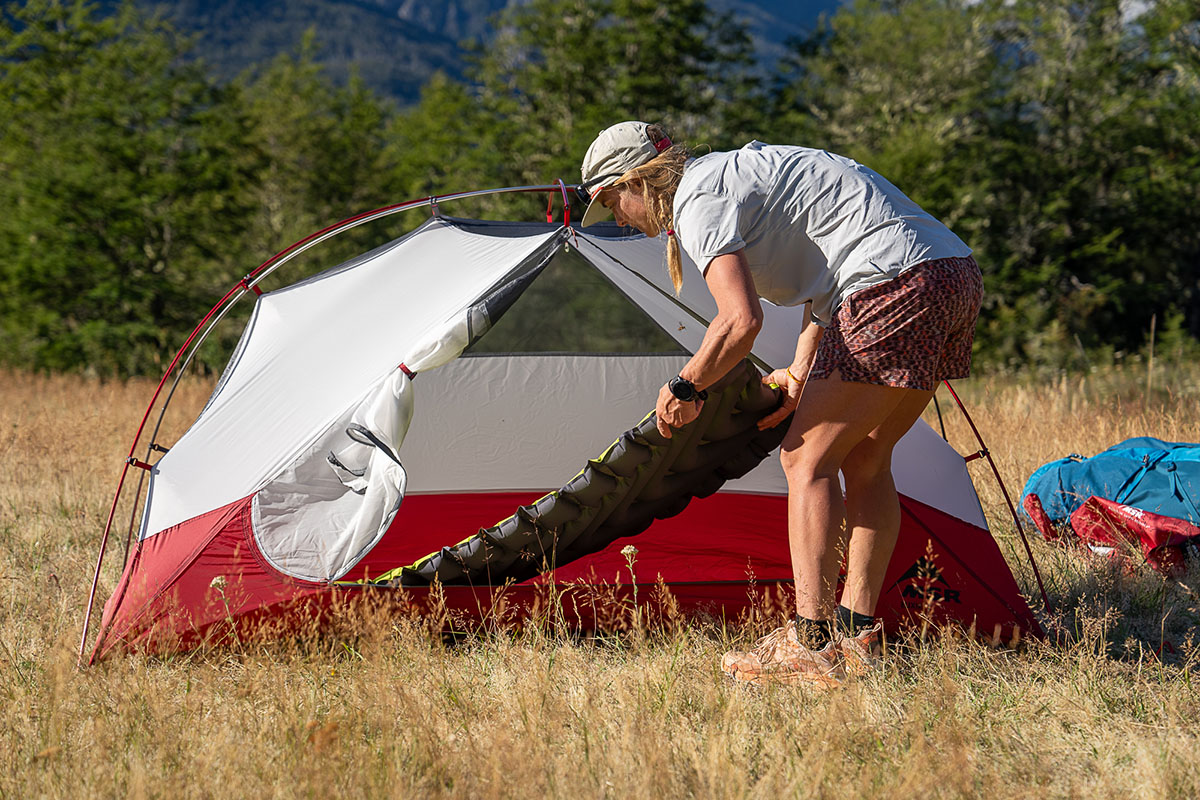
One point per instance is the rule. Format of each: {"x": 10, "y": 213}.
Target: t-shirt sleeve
{"x": 707, "y": 226}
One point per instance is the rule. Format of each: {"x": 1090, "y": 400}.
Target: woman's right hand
{"x": 790, "y": 388}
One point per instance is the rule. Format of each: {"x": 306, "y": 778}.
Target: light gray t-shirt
{"x": 815, "y": 226}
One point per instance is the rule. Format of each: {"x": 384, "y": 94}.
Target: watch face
{"x": 682, "y": 389}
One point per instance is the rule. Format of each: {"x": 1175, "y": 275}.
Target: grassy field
{"x": 391, "y": 711}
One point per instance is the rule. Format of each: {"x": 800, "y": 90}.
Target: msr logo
{"x": 922, "y": 581}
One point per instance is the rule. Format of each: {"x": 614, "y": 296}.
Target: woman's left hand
{"x": 671, "y": 412}
{"x": 789, "y": 389}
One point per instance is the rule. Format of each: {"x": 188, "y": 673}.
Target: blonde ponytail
{"x": 674, "y": 261}
{"x": 660, "y": 178}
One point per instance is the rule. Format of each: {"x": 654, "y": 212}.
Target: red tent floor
{"x": 722, "y": 556}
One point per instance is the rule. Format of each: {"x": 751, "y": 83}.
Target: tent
{"x": 364, "y": 423}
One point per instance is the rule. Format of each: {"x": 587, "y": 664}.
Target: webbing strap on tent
{"x": 642, "y": 477}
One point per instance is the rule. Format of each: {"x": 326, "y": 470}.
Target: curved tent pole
{"x": 247, "y": 284}
{"x": 130, "y": 461}
{"x": 985, "y": 453}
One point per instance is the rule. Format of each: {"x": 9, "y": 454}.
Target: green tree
{"x": 1057, "y": 137}
{"x": 122, "y": 169}
{"x": 320, "y": 148}
{"x": 903, "y": 87}
{"x": 452, "y": 142}
{"x": 562, "y": 71}
{"x": 1093, "y": 177}
{"x": 557, "y": 73}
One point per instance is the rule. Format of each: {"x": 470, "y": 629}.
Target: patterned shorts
{"x": 913, "y": 331}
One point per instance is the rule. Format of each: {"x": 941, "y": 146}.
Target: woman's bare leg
{"x": 833, "y": 417}
{"x": 872, "y": 505}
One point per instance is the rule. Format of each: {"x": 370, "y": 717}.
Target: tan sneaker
{"x": 863, "y": 652}
{"x": 780, "y": 657}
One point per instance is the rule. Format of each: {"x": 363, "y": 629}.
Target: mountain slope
{"x": 396, "y": 45}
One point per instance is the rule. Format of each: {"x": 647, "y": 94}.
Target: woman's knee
{"x": 866, "y": 464}
{"x": 805, "y": 464}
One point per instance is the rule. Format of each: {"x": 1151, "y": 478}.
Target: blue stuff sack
{"x": 1143, "y": 472}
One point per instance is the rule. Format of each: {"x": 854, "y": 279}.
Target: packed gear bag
{"x": 1161, "y": 479}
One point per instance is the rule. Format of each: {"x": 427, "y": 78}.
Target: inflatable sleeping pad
{"x": 641, "y": 477}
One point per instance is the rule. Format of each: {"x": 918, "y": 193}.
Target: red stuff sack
{"x": 1162, "y": 540}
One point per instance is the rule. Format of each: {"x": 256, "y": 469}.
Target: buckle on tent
{"x": 982, "y": 453}
{"x": 133, "y": 462}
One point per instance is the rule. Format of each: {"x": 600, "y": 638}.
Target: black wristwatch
{"x": 685, "y": 390}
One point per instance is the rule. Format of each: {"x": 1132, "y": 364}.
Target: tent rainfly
{"x": 408, "y": 418}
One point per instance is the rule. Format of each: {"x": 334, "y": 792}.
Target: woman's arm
{"x": 739, "y": 318}
{"x": 726, "y": 342}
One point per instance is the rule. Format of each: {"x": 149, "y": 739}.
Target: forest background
{"x": 1059, "y": 138}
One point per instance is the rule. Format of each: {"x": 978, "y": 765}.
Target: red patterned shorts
{"x": 912, "y": 331}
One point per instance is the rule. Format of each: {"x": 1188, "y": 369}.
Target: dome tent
{"x": 350, "y": 435}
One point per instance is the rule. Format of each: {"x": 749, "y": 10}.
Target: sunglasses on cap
{"x": 584, "y": 190}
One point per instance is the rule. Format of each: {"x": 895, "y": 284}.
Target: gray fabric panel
{"x": 525, "y": 423}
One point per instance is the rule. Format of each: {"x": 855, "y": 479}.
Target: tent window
{"x": 572, "y": 308}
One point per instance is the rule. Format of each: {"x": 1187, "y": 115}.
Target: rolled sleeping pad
{"x": 641, "y": 477}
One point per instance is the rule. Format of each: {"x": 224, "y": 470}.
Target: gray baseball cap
{"x": 616, "y": 150}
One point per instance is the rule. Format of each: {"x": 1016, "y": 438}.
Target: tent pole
{"x": 99, "y": 561}
{"x": 566, "y": 204}
{"x": 1004, "y": 490}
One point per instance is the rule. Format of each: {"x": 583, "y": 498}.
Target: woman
{"x": 894, "y": 295}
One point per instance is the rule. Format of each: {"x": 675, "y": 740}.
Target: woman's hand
{"x": 671, "y": 412}
{"x": 791, "y": 387}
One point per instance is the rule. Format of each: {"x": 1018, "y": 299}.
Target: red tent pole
{"x": 566, "y": 204}
{"x": 985, "y": 453}
{"x": 99, "y": 562}
{"x": 130, "y": 460}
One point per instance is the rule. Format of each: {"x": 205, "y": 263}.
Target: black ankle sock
{"x": 814, "y": 633}
{"x": 851, "y": 622}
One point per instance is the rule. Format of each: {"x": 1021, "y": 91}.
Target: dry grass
{"x": 389, "y": 711}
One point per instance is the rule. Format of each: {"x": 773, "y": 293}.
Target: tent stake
{"x": 985, "y": 453}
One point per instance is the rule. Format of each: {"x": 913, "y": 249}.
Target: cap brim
{"x": 596, "y": 212}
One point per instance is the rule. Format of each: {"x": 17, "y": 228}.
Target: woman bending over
{"x": 894, "y": 295}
